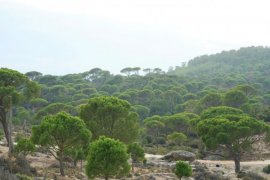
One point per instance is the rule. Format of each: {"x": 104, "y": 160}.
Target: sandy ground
{"x": 228, "y": 166}
{"x": 243, "y": 163}
{"x": 43, "y": 161}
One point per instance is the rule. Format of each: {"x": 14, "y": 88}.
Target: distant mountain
{"x": 251, "y": 64}
{"x": 243, "y": 61}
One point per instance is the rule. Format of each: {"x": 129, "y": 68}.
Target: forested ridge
{"x": 154, "y": 92}
{"x": 210, "y": 101}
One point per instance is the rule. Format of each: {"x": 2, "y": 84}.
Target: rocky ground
{"x": 156, "y": 168}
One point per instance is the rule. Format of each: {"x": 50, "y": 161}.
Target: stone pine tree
{"x": 136, "y": 152}
{"x": 177, "y": 138}
{"x": 111, "y": 117}
{"x": 107, "y": 158}
{"x": 235, "y": 132}
{"x": 154, "y": 127}
{"x": 59, "y": 133}
{"x": 14, "y": 87}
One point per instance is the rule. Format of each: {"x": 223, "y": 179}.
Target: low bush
{"x": 23, "y": 177}
{"x": 182, "y": 169}
{"x": 1, "y": 134}
{"x": 24, "y": 146}
{"x": 266, "y": 169}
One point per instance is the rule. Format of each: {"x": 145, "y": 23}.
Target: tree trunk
{"x": 81, "y": 165}
{"x": 237, "y": 162}
{"x": 24, "y": 125}
{"x": 10, "y": 150}
{"x": 106, "y": 177}
{"x": 6, "y": 130}
{"x": 61, "y": 166}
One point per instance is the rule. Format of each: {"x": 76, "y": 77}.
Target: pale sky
{"x": 71, "y": 36}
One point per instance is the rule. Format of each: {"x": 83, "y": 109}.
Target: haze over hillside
{"x": 60, "y": 37}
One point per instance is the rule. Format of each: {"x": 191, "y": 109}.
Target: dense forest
{"x": 161, "y": 111}
{"x": 232, "y": 78}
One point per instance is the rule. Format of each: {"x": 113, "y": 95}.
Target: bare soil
{"x": 44, "y": 164}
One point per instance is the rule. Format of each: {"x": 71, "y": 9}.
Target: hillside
{"x": 156, "y": 92}
{"x": 248, "y": 65}
{"x": 214, "y": 100}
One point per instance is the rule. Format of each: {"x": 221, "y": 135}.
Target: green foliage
{"x": 266, "y": 169}
{"x": 182, "y": 169}
{"x": 210, "y": 100}
{"x": 235, "y": 98}
{"x": 107, "y": 158}
{"x": 1, "y": 134}
{"x": 54, "y": 108}
{"x": 77, "y": 154}
{"x": 219, "y": 111}
{"x": 32, "y": 90}
{"x": 191, "y": 106}
{"x": 189, "y": 96}
{"x": 111, "y": 117}
{"x": 38, "y": 103}
{"x": 177, "y": 138}
{"x": 61, "y": 132}
{"x": 136, "y": 152}
{"x": 9, "y": 77}
{"x": 23, "y": 177}
{"x": 62, "y": 126}
{"x": 141, "y": 110}
{"x": 24, "y": 146}
{"x": 33, "y": 75}
{"x": 154, "y": 125}
{"x": 231, "y": 78}
{"x": 153, "y": 128}
{"x": 234, "y": 132}
{"x": 179, "y": 122}
{"x": 13, "y": 85}
{"x": 247, "y": 90}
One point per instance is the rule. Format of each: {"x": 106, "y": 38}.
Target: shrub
{"x": 266, "y": 169}
{"x": 1, "y": 134}
{"x": 19, "y": 136}
{"x": 182, "y": 169}
{"x": 24, "y": 146}
{"x": 107, "y": 157}
{"x": 136, "y": 152}
{"x": 23, "y": 177}
{"x": 161, "y": 140}
{"x": 177, "y": 138}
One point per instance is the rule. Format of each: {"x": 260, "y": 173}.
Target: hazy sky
{"x": 70, "y": 36}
